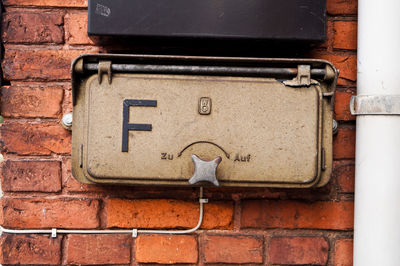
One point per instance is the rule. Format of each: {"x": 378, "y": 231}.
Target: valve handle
{"x": 205, "y": 170}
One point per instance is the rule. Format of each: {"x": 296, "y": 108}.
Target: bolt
{"x": 66, "y": 121}
{"x": 334, "y": 126}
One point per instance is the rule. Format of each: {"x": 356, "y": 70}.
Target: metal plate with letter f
{"x": 141, "y": 121}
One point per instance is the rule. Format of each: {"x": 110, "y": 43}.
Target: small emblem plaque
{"x": 205, "y": 106}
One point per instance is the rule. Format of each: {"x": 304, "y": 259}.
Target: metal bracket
{"x": 134, "y": 233}
{"x": 54, "y": 232}
{"x": 375, "y": 105}
{"x": 302, "y": 79}
{"x": 104, "y": 68}
{"x": 201, "y": 200}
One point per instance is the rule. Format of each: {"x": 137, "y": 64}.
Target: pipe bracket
{"x": 375, "y": 105}
{"x": 54, "y": 232}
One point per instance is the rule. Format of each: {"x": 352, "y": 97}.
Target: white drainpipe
{"x": 377, "y": 192}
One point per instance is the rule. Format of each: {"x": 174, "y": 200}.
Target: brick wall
{"x": 265, "y": 226}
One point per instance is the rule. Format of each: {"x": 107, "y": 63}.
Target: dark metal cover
{"x": 289, "y": 20}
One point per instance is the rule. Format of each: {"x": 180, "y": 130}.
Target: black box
{"x": 264, "y": 20}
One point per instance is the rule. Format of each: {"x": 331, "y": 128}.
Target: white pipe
{"x": 134, "y": 232}
{"x": 377, "y": 192}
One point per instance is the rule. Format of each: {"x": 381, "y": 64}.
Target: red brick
{"x": 31, "y": 101}
{"x": 165, "y": 213}
{"x": 166, "y": 249}
{"x": 98, "y": 249}
{"x": 344, "y": 174}
{"x": 341, "y": 7}
{"x": 342, "y": 109}
{"x": 344, "y": 144}
{"x": 47, "y": 3}
{"x": 38, "y": 138}
{"x": 50, "y": 213}
{"x": 233, "y": 249}
{"x": 70, "y": 184}
{"x": 30, "y": 63}
{"x": 347, "y": 65}
{"x": 42, "y": 176}
{"x": 345, "y": 35}
{"x": 295, "y": 214}
{"x": 298, "y": 250}
{"x": 67, "y": 103}
{"x": 28, "y": 27}
{"x": 76, "y": 28}
{"x": 30, "y": 249}
{"x": 343, "y": 252}
{"x": 1, "y": 212}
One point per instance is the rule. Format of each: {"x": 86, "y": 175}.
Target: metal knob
{"x": 205, "y": 170}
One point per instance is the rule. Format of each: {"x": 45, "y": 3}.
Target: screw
{"x": 334, "y": 126}
{"x": 66, "y": 121}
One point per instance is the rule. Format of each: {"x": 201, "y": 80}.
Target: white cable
{"x": 134, "y": 232}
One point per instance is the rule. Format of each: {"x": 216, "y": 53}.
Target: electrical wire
{"x": 134, "y": 232}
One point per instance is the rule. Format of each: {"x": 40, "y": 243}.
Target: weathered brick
{"x": 298, "y": 250}
{"x": 295, "y": 214}
{"x": 31, "y": 101}
{"x": 70, "y": 184}
{"x": 76, "y": 28}
{"x": 344, "y": 174}
{"x": 47, "y": 3}
{"x": 347, "y": 65}
{"x": 50, "y": 213}
{"x": 165, "y": 213}
{"x": 345, "y": 35}
{"x": 1, "y": 212}
{"x": 30, "y": 249}
{"x": 329, "y": 35}
{"x": 341, "y": 7}
{"x": 233, "y": 249}
{"x": 42, "y": 176}
{"x": 166, "y": 249}
{"x": 28, "y": 27}
{"x": 67, "y": 103}
{"x": 28, "y": 63}
{"x": 98, "y": 249}
{"x": 344, "y": 144}
{"x": 37, "y": 138}
{"x": 342, "y": 109}
{"x": 343, "y": 255}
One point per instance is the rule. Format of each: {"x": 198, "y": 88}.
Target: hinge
{"x": 302, "y": 79}
{"x": 104, "y": 69}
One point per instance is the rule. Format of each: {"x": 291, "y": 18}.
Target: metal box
{"x": 294, "y": 20}
{"x": 141, "y": 119}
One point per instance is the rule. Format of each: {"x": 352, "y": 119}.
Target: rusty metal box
{"x": 141, "y": 119}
